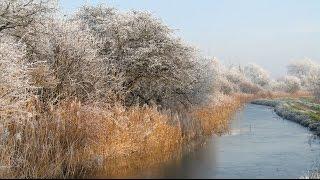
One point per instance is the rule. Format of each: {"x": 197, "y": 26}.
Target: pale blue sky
{"x": 267, "y": 32}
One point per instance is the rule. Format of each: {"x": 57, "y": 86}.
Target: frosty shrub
{"x": 303, "y": 69}
{"x": 235, "y": 75}
{"x": 316, "y": 89}
{"x": 233, "y": 79}
{"x": 13, "y": 77}
{"x": 227, "y": 79}
{"x": 21, "y": 13}
{"x": 154, "y": 64}
{"x": 249, "y": 88}
{"x": 292, "y": 84}
{"x": 256, "y": 74}
{"x": 63, "y": 61}
{"x": 277, "y": 85}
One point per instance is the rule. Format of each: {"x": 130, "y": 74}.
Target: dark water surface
{"x": 259, "y": 145}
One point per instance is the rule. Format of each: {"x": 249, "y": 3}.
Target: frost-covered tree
{"x": 156, "y": 66}
{"x": 235, "y": 75}
{"x": 314, "y": 84}
{"x": 232, "y": 79}
{"x": 292, "y": 84}
{"x": 13, "y": 78}
{"x": 315, "y": 87}
{"x": 303, "y": 69}
{"x": 21, "y": 13}
{"x": 276, "y": 85}
{"x": 256, "y": 74}
{"x": 64, "y": 61}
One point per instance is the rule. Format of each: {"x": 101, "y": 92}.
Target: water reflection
{"x": 259, "y": 145}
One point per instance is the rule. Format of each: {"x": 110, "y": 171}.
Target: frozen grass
{"x": 312, "y": 175}
{"x": 302, "y": 110}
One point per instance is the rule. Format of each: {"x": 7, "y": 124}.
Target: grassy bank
{"x": 304, "y": 110}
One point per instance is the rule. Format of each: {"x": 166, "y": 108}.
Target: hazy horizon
{"x": 270, "y": 33}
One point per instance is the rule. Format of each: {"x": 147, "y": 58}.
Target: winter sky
{"x": 270, "y": 33}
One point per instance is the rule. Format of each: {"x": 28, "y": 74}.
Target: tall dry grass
{"x": 72, "y": 140}
{"x": 214, "y": 118}
{"x": 140, "y": 137}
{"x": 51, "y": 143}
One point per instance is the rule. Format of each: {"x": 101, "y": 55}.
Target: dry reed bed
{"x": 162, "y": 134}
{"x": 71, "y": 140}
{"x": 75, "y": 140}
{"x": 215, "y": 118}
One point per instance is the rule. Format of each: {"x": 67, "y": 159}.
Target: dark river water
{"x": 259, "y": 145}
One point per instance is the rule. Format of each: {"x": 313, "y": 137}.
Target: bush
{"x": 315, "y": 87}
{"x": 18, "y": 15}
{"x": 249, "y": 88}
{"x": 64, "y": 62}
{"x": 14, "y": 79}
{"x": 292, "y": 84}
{"x": 256, "y": 74}
{"x": 277, "y": 85}
{"x": 304, "y": 70}
{"x": 155, "y": 66}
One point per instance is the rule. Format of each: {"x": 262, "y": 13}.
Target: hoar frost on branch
{"x": 13, "y": 77}
{"x": 256, "y": 74}
{"x": 315, "y": 87}
{"x": 292, "y": 84}
{"x": 65, "y": 62}
{"x": 306, "y": 70}
{"x": 233, "y": 79}
{"x": 155, "y": 66}
{"x": 21, "y": 13}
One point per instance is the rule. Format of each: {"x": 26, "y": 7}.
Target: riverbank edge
{"x": 282, "y": 110}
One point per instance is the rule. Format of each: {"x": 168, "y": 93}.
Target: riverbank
{"x": 156, "y": 147}
{"x": 108, "y": 141}
{"x": 304, "y": 111}
{"x": 191, "y": 131}
{"x": 255, "y": 135}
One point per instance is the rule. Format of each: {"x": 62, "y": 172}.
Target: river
{"x": 259, "y": 145}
